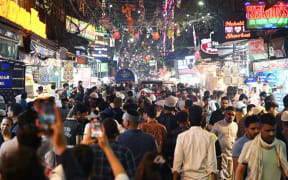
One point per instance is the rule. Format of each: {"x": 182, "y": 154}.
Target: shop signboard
{"x": 125, "y": 75}
{"x": 270, "y": 65}
{"x": 43, "y": 74}
{"x": 183, "y": 65}
{"x": 99, "y": 52}
{"x": 272, "y": 79}
{"x": 41, "y": 50}
{"x": 18, "y": 15}
{"x": 235, "y": 30}
{"x": 104, "y": 67}
{"x": 256, "y": 46}
{"x": 279, "y": 99}
{"x": 260, "y": 18}
{"x": 250, "y": 81}
{"x": 262, "y": 77}
{"x": 256, "y": 49}
{"x": 5, "y": 75}
{"x": 87, "y": 31}
{"x": 208, "y": 46}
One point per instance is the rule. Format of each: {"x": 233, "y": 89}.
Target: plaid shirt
{"x": 102, "y": 168}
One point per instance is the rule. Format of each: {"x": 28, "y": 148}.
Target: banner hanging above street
{"x": 87, "y": 31}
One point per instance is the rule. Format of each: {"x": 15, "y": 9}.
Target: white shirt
{"x": 18, "y": 98}
{"x": 181, "y": 104}
{"x": 195, "y": 150}
{"x": 57, "y": 173}
{"x": 227, "y": 134}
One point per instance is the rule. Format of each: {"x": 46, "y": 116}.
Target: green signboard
{"x": 104, "y": 67}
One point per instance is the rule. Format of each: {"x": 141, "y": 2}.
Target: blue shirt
{"x": 138, "y": 142}
{"x": 238, "y": 146}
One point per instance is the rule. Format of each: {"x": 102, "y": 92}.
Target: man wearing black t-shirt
{"x": 218, "y": 115}
{"x": 72, "y": 130}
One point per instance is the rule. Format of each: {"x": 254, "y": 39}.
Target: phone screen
{"x": 45, "y": 109}
{"x": 46, "y": 113}
{"x": 96, "y": 130}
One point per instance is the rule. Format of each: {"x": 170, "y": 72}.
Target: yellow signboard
{"x": 87, "y": 31}
{"x": 13, "y": 12}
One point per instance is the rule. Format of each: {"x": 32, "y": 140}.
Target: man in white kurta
{"x": 226, "y": 131}
{"x": 195, "y": 154}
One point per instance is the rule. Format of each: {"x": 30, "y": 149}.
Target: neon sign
{"x": 235, "y": 30}
{"x": 29, "y": 21}
{"x": 274, "y": 17}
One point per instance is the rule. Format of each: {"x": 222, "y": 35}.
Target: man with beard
{"x": 226, "y": 131}
{"x": 219, "y": 114}
{"x": 251, "y": 131}
{"x": 265, "y": 156}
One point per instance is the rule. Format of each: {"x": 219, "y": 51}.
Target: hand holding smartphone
{"x": 45, "y": 109}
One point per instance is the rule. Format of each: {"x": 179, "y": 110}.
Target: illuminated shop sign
{"x": 99, "y": 52}
{"x": 235, "y": 30}
{"x": 87, "y": 31}
{"x": 274, "y": 17}
{"x": 270, "y": 65}
{"x": 29, "y": 21}
{"x": 183, "y": 65}
{"x": 5, "y": 75}
{"x": 209, "y": 47}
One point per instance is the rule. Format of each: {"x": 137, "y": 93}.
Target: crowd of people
{"x": 147, "y": 133}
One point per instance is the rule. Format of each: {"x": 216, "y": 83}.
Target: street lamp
{"x": 201, "y": 3}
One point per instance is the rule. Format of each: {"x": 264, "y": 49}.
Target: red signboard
{"x": 207, "y": 46}
{"x": 274, "y": 17}
{"x": 256, "y": 46}
{"x": 257, "y": 11}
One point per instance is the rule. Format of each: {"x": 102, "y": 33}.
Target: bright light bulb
{"x": 201, "y": 3}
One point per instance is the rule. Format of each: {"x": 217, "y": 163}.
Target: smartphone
{"x": 96, "y": 130}
{"x": 46, "y": 114}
